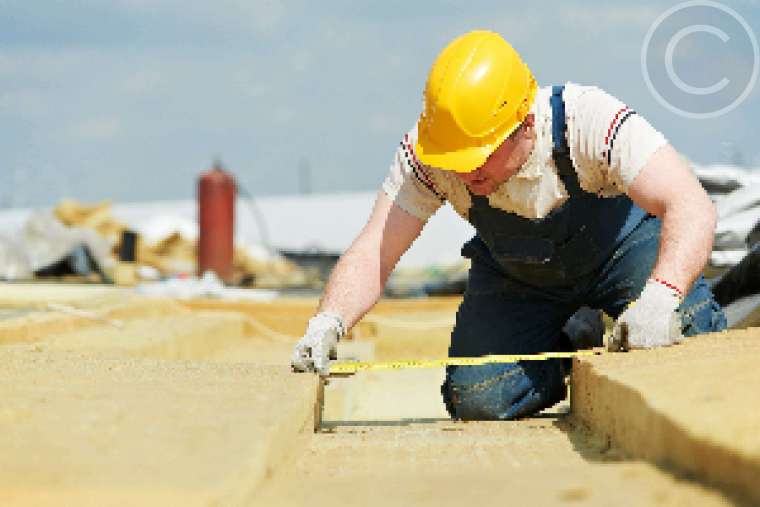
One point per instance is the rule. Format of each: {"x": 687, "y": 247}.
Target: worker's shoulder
{"x": 569, "y": 87}
{"x": 574, "y": 96}
{"x": 575, "y": 93}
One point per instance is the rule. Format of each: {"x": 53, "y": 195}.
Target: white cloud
{"x": 143, "y": 82}
{"x": 8, "y": 64}
{"x": 95, "y": 129}
{"x": 25, "y": 103}
{"x": 395, "y": 61}
{"x": 284, "y": 116}
{"x": 383, "y": 123}
{"x": 603, "y": 17}
{"x": 301, "y": 60}
{"x": 262, "y": 17}
{"x": 46, "y": 64}
{"x": 251, "y": 80}
{"x": 335, "y": 36}
{"x": 256, "y": 90}
{"x": 267, "y": 15}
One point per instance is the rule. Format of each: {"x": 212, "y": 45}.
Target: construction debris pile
{"x": 82, "y": 242}
{"x": 736, "y": 194}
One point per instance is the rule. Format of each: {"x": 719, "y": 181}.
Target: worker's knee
{"x": 700, "y": 312}
{"x": 502, "y": 391}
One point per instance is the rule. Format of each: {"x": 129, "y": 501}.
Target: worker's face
{"x": 503, "y": 163}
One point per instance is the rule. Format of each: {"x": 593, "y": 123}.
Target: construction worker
{"x": 576, "y": 200}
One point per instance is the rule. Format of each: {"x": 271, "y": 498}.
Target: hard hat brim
{"x": 463, "y": 160}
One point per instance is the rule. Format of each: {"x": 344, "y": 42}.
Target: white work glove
{"x": 319, "y": 344}
{"x": 650, "y": 321}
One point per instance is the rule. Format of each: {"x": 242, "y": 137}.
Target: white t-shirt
{"x": 609, "y": 144}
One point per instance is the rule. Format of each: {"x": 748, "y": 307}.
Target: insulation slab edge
{"x": 691, "y": 408}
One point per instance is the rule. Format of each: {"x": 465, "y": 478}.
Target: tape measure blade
{"x": 356, "y": 366}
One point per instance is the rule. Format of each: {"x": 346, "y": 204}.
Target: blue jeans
{"x": 501, "y": 316}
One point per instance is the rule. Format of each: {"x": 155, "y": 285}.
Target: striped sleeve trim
{"x": 609, "y": 140}
{"x": 418, "y": 170}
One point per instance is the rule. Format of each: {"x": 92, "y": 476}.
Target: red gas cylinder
{"x": 216, "y": 220}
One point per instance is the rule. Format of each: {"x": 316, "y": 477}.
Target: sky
{"x": 130, "y": 100}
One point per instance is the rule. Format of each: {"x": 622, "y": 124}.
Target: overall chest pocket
{"x": 524, "y": 249}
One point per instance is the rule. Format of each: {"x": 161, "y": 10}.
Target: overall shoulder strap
{"x": 559, "y": 124}
{"x": 560, "y": 150}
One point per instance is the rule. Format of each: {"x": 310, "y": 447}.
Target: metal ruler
{"x": 351, "y": 367}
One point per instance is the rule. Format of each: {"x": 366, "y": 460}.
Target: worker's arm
{"x": 667, "y": 188}
{"x": 615, "y": 149}
{"x": 359, "y": 277}
{"x": 357, "y": 282}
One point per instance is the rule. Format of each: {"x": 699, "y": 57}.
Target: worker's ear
{"x": 529, "y": 122}
{"x": 525, "y": 130}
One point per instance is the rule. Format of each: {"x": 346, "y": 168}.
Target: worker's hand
{"x": 319, "y": 344}
{"x": 650, "y": 321}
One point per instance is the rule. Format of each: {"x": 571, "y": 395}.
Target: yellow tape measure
{"x": 349, "y": 367}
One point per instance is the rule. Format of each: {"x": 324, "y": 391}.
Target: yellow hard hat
{"x": 478, "y": 92}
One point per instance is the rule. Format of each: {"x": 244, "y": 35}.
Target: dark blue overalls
{"x": 529, "y": 276}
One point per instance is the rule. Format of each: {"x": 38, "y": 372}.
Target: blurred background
{"x": 128, "y": 101}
